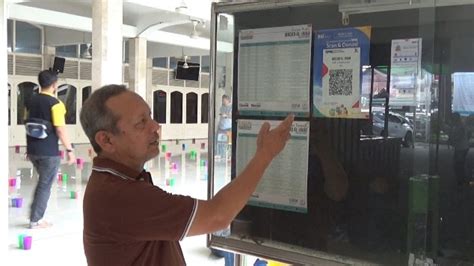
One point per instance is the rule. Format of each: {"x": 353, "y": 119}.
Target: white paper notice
{"x": 405, "y": 71}
{"x": 274, "y": 70}
{"x": 284, "y": 184}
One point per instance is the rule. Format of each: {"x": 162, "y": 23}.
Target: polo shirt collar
{"x": 48, "y": 93}
{"x": 119, "y": 169}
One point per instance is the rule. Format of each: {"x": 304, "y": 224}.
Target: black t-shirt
{"x": 42, "y": 106}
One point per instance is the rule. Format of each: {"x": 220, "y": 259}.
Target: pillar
{"x": 107, "y": 22}
{"x": 138, "y": 66}
{"x": 4, "y": 135}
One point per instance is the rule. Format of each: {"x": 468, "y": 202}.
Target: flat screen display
{"x": 189, "y": 73}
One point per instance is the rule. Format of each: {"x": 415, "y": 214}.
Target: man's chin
{"x": 154, "y": 153}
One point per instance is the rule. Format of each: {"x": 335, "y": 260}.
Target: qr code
{"x": 340, "y": 82}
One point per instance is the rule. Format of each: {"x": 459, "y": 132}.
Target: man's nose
{"x": 157, "y": 127}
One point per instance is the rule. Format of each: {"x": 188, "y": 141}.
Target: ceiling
{"x": 133, "y": 10}
{"x": 80, "y": 8}
{"x": 159, "y": 22}
{"x": 164, "y": 22}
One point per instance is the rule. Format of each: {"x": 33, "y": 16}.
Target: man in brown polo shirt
{"x": 128, "y": 220}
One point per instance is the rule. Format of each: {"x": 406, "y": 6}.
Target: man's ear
{"x": 104, "y": 140}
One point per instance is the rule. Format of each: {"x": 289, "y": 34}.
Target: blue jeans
{"x": 47, "y": 168}
{"x": 228, "y": 256}
{"x": 222, "y": 142}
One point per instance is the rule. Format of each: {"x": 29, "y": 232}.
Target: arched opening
{"x": 176, "y": 107}
{"x": 26, "y": 90}
{"x": 159, "y": 106}
{"x": 191, "y": 108}
{"x": 67, "y": 94}
{"x": 205, "y": 108}
{"x": 86, "y": 93}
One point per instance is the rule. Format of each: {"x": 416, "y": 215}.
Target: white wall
{"x": 163, "y": 50}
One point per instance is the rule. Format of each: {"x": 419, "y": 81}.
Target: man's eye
{"x": 141, "y": 123}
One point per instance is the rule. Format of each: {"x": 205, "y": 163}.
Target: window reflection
{"x": 67, "y": 94}
{"x": 26, "y": 90}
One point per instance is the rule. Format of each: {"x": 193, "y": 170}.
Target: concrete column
{"x": 107, "y": 20}
{"x": 149, "y": 85}
{"x": 3, "y": 136}
{"x": 138, "y": 66}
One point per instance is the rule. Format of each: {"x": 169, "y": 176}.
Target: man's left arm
{"x": 58, "y": 112}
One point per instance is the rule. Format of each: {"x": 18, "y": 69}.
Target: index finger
{"x": 286, "y": 124}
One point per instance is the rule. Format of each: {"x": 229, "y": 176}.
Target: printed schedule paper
{"x": 274, "y": 71}
{"x": 285, "y": 182}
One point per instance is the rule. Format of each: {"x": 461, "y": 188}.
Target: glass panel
{"x": 174, "y": 62}
{"x": 126, "y": 52}
{"x": 86, "y": 51}
{"x": 26, "y": 90}
{"x": 376, "y": 198}
{"x": 191, "y": 108}
{"x": 205, "y": 108}
{"x": 223, "y": 131}
{"x": 160, "y": 62}
{"x": 10, "y": 35}
{"x": 159, "y": 106}
{"x": 67, "y": 51}
{"x": 9, "y": 102}
{"x": 176, "y": 107}
{"x": 194, "y": 59}
{"x": 86, "y": 92}
{"x": 28, "y": 38}
{"x": 446, "y": 120}
{"x": 205, "y": 66}
{"x": 67, "y": 94}
{"x": 223, "y": 141}
{"x": 221, "y": 76}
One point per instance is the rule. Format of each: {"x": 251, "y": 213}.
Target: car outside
{"x": 398, "y": 127}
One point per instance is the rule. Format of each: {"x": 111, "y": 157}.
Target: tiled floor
{"x": 62, "y": 243}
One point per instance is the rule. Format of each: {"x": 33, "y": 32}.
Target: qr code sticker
{"x": 340, "y": 82}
